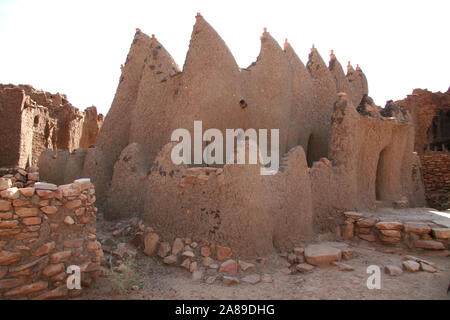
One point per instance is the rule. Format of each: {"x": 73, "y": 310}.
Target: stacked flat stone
{"x": 436, "y": 177}
{"x": 18, "y": 177}
{"x": 419, "y": 235}
{"x": 43, "y": 230}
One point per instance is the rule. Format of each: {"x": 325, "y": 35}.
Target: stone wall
{"x": 417, "y": 235}
{"x": 43, "y": 230}
{"x": 430, "y": 113}
{"x": 32, "y": 121}
{"x": 436, "y": 176}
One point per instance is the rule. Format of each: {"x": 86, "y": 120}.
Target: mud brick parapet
{"x": 436, "y": 176}
{"x": 43, "y": 230}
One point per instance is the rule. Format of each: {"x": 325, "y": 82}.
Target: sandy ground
{"x": 171, "y": 282}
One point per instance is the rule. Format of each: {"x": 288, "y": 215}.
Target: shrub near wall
{"x": 43, "y": 230}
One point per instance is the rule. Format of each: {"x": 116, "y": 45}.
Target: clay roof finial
{"x": 286, "y": 43}
{"x": 313, "y": 48}
{"x": 264, "y": 32}
{"x": 349, "y": 65}
{"x": 358, "y": 68}
{"x": 153, "y": 37}
{"x": 138, "y": 30}
{"x": 332, "y": 56}
{"x": 198, "y": 15}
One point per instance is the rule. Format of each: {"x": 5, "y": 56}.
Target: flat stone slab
{"x": 367, "y": 222}
{"x": 441, "y": 233}
{"x": 317, "y": 254}
{"x": 246, "y": 265}
{"x": 420, "y": 260}
{"x": 427, "y": 268}
{"x": 342, "y": 266}
{"x": 429, "y": 244}
{"x": 251, "y": 279}
{"x": 411, "y": 266}
{"x": 368, "y": 237}
{"x": 230, "y": 280}
{"x": 389, "y": 225}
{"x": 45, "y": 186}
{"x": 353, "y": 215}
{"x": 170, "y": 259}
{"x": 417, "y": 227}
{"x": 83, "y": 183}
{"x": 393, "y": 270}
{"x": 304, "y": 267}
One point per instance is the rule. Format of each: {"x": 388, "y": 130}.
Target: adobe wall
{"x": 430, "y": 113}
{"x": 369, "y": 160}
{"x": 12, "y": 151}
{"x": 335, "y": 156}
{"x": 234, "y": 206}
{"x": 64, "y": 167}
{"x": 211, "y": 87}
{"x": 43, "y": 230}
{"x": 33, "y": 121}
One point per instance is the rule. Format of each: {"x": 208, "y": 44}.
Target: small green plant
{"x": 127, "y": 277}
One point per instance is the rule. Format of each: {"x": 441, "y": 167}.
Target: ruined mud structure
{"x": 32, "y": 121}
{"x": 430, "y": 113}
{"x": 338, "y": 150}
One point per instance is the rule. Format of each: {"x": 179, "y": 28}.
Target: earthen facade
{"x": 32, "y": 121}
{"x": 338, "y": 152}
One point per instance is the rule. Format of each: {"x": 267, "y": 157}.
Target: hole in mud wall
{"x": 310, "y": 152}
{"x": 36, "y": 121}
{"x": 382, "y": 178}
{"x": 439, "y": 131}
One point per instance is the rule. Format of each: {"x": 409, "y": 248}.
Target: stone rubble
{"x": 393, "y": 270}
{"x": 411, "y": 266}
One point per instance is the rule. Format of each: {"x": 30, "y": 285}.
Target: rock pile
{"x": 306, "y": 260}
{"x": 205, "y": 261}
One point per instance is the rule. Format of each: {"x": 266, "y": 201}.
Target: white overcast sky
{"x": 77, "y": 47}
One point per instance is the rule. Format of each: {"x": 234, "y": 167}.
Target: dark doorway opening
{"x": 382, "y": 177}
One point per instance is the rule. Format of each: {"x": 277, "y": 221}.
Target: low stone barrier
{"x": 44, "y": 229}
{"x": 415, "y": 235}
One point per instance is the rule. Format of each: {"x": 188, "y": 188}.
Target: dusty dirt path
{"x": 163, "y": 282}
